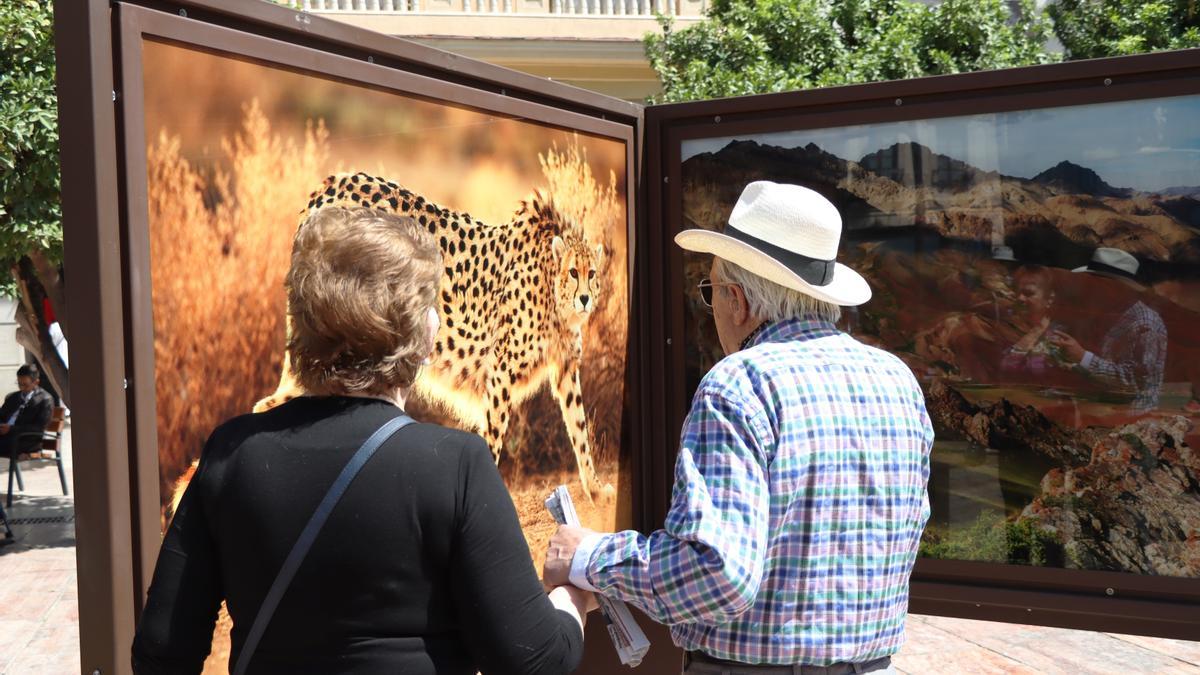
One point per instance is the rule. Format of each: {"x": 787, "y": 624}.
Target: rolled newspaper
{"x": 627, "y": 636}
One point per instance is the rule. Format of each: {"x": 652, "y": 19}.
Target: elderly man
{"x": 1133, "y": 354}
{"x": 800, "y": 485}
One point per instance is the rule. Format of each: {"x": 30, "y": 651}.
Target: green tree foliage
{"x": 30, "y": 215}
{"x": 759, "y": 46}
{"x": 1095, "y": 28}
{"x": 30, "y": 218}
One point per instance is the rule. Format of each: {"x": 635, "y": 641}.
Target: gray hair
{"x": 773, "y": 302}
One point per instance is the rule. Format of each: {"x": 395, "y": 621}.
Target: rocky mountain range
{"x": 913, "y": 163}
{"x": 1066, "y": 210}
{"x": 1182, "y": 191}
{"x": 1069, "y": 178}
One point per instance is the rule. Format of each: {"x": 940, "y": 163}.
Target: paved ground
{"x": 39, "y": 605}
{"x": 39, "y": 615}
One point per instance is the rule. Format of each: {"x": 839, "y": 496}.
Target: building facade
{"x": 592, "y": 44}
{"x": 12, "y": 355}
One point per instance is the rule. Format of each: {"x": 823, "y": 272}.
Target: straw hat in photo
{"x": 1113, "y": 263}
{"x": 787, "y": 234}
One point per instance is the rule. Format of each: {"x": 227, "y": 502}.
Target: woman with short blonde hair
{"x": 360, "y": 290}
{"x": 421, "y": 566}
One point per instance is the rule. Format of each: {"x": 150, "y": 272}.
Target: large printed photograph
{"x": 1039, "y": 271}
{"x": 238, "y": 152}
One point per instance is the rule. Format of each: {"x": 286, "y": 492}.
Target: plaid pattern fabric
{"x": 799, "y": 500}
{"x": 1132, "y": 356}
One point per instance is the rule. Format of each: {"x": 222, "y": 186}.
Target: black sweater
{"x": 421, "y": 568}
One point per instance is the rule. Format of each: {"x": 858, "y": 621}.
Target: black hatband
{"x": 1095, "y": 266}
{"x": 813, "y": 270}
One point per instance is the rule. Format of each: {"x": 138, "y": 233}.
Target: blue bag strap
{"x": 309, "y": 534}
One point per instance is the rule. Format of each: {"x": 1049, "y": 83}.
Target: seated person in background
{"x": 422, "y": 567}
{"x": 1133, "y": 354}
{"x": 25, "y": 414}
{"x": 1032, "y": 353}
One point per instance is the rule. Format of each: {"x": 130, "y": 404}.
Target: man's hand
{"x": 560, "y": 552}
{"x": 4, "y": 429}
{"x": 1072, "y": 351}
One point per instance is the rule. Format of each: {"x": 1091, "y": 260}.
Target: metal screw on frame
{"x": 666, "y": 179}
{"x": 1109, "y": 591}
{"x": 114, "y": 93}
{"x": 1107, "y": 81}
{"x": 96, "y": 672}
{"x": 370, "y": 59}
{"x": 183, "y": 13}
{"x": 717, "y": 119}
{"x": 504, "y": 92}
{"x": 899, "y": 101}
{"x": 668, "y": 341}
{"x": 125, "y": 383}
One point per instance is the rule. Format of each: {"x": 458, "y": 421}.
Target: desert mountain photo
{"x": 1046, "y": 468}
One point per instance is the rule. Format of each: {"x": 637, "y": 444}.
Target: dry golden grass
{"x": 220, "y": 244}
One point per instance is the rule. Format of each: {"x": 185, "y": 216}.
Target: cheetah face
{"x": 577, "y": 285}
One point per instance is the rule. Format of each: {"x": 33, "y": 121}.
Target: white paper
{"x": 627, "y": 636}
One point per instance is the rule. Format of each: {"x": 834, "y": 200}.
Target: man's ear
{"x": 739, "y": 307}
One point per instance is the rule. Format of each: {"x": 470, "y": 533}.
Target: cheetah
{"x": 513, "y": 300}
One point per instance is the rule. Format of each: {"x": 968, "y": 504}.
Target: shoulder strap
{"x": 309, "y": 534}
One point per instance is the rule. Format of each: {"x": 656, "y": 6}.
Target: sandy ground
{"x": 599, "y": 515}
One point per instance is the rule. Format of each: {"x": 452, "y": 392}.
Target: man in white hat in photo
{"x": 800, "y": 483}
{"x": 1133, "y": 353}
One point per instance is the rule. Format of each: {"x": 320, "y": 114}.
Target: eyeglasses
{"x": 706, "y": 291}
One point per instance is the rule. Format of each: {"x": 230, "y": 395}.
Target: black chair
{"x": 50, "y": 450}
{"x": 9, "y": 537}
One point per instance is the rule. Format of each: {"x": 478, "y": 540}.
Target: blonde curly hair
{"x": 359, "y": 290}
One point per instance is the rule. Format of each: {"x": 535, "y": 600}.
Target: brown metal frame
{"x": 139, "y": 24}
{"x": 106, "y": 221}
{"x": 91, "y": 225}
{"x": 1108, "y": 601}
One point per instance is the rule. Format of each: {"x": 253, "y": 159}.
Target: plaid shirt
{"x": 799, "y": 500}
{"x": 1132, "y": 356}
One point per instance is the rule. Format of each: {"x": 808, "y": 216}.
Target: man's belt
{"x": 734, "y": 668}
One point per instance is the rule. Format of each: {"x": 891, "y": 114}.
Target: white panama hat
{"x": 1112, "y": 262}
{"x": 787, "y": 234}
